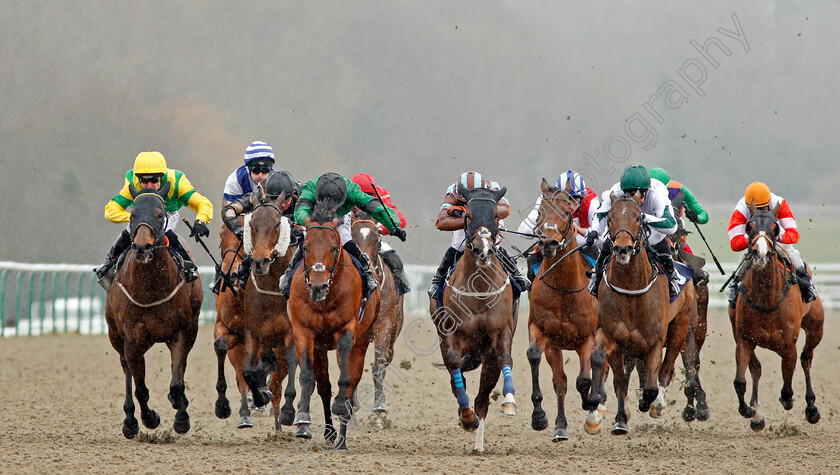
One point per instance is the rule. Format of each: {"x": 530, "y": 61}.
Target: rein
{"x": 263, "y": 291}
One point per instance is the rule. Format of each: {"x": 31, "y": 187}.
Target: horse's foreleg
{"x": 583, "y": 383}
{"x": 620, "y": 383}
{"x": 343, "y": 347}
{"x": 179, "y": 347}
{"x": 452, "y": 360}
{"x": 812, "y": 324}
{"x": 222, "y": 403}
{"x": 276, "y": 384}
{"x": 236, "y": 355}
{"x": 130, "y": 427}
{"x": 383, "y": 354}
{"x": 788, "y": 355}
{"x": 252, "y": 371}
{"x": 490, "y": 371}
{"x": 651, "y": 389}
{"x": 503, "y": 353}
{"x": 322, "y": 378}
{"x": 743, "y": 350}
{"x": 757, "y": 421}
{"x": 137, "y": 364}
{"x": 689, "y": 358}
{"x": 539, "y": 420}
{"x": 305, "y": 354}
{"x": 554, "y": 356}
{"x": 287, "y": 412}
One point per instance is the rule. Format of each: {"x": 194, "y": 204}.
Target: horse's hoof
{"x": 152, "y": 421}
{"x": 330, "y": 433}
{"x": 787, "y": 404}
{"x": 262, "y": 397}
{"x": 689, "y": 413}
{"x": 303, "y": 432}
{"x": 620, "y": 428}
{"x": 559, "y": 435}
{"x": 702, "y": 412}
{"x": 244, "y": 422}
{"x": 644, "y": 406}
{"x": 539, "y": 421}
{"x": 181, "y": 425}
{"x": 381, "y": 407}
{"x": 746, "y": 411}
{"x": 509, "y": 405}
{"x": 812, "y": 414}
{"x": 757, "y": 424}
{"x": 222, "y": 408}
{"x": 130, "y": 428}
{"x": 593, "y": 423}
{"x": 656, "y": 411}
{"x": 302, "y": 418}
{"x": 340, "y": 408}
{"x": 341, "y": 445}
{"x": 286, "y": 418}
{"x": 470, "y": 426}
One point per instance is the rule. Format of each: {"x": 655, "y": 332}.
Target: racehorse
{"x": 563, "y": 315}
{"x": 476, "y": 323}
{"x": 389, "y": 320}
{"x": 769, "y": 312}
{"x": 324, "y": 307}
{"x": 635, "y": 317}
{"x": 152, "y": 303}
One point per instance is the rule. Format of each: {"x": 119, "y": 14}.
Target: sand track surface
{"x": 61, "y": 410}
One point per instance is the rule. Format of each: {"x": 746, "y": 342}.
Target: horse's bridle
{"x": 319, "y": 266}
{"x": 269, "y": 205}
{"x": 637, "y": 238}
{"x": 567, "y": 237}
{"x": 467, "y": 234}
{"x": 159, "y": 233}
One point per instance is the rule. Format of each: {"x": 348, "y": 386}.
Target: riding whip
{"x": 720, "y": 268}
{"x": 386, "y": 206}
{"x": 218, "y": 266}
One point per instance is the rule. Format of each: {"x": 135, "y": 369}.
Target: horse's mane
{"x": 324, "y": 211}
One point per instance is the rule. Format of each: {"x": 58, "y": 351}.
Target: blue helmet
{"x": 259, "y": 152}
{"x": 577, "y": 187}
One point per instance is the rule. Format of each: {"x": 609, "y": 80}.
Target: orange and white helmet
{"x": 757, "y": 192}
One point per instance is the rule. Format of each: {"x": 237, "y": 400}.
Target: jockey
{"x": 683, "y": 200}
{"x": 150, "y": 172}
{"x": 584, "y": 203}
{"x": 271, "y": 187}
{"x": 347, "y": 195}
{"x": 259, "y": 161}
{"x": 389, "y": 255}
{"x": 657, "y": 213}
{"x": 759, "y": 194}
{"x": 451, "y": 218}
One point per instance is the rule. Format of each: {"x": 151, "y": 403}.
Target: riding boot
{"x": 190, "y": 270}
{"x": 216, "y": 285}
{"x": 733, "y": 292}
{"x": 663, "y": 253}
{"x": 353, "y": 249}
{"x": 244, "y": 271}
{"x": 509, "y": 264}
{"x": 120, "y": 245}
{"x": 809, "y": 293}
{"x": 533, "y": 261}
{"x": 393, "y": 261}
{"x": 596, "y": 273}
{"x": 286, "y": 279}
{"x": 445, "y": 264}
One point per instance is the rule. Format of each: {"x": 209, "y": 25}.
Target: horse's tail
{"x": 469, "y": 362}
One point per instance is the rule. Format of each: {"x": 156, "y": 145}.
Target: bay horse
{"x": 389, "y": 319}
{"x": 476, "y": 323}
{"x": 325, "y": 303}
{"x": 769, "y": 312}
{"x": 563, "y": 315}
{"x": 152, "y": 303}
{"x": 635, "y": 317}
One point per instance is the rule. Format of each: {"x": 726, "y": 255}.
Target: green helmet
{"x": 660, "y": 174}
{"x": 635, "y": 177}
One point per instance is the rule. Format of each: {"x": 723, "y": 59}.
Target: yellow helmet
{"x": 758, "y": 192}
{"x": 149, "y": 163}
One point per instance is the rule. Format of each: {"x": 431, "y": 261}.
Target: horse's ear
{"x": 133, "y": 191}
{"x": 280, "y": 199}
{"x": 568, "y": 187}
{"x": 612, "y": 197}
{"x": 776, "y": 210}
{"x": 164, "y": 191}
{"x": 499, "y": 194}
{"x": 751, "y": 206}
{"x": 254, "y": 199}
{"x": 463, "y": 191}
{"x": 307, "y": 221}
{"x": 260, "y": 193}
{"x": 544, "y": 186}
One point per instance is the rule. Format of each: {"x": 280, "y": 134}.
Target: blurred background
{"x": 414, "y": 93}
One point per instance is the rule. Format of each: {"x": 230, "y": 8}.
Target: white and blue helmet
{"x": 259, "y": 152}
{"x": 577, "y": 187}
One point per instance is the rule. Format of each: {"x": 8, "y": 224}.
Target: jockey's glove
{"x": 399, "y": 233}
{"x": 239, "y": 231}
{"x": 591, "y": 237}
{"x": 199, "y": 229}
{"x": 691, "y": 215}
